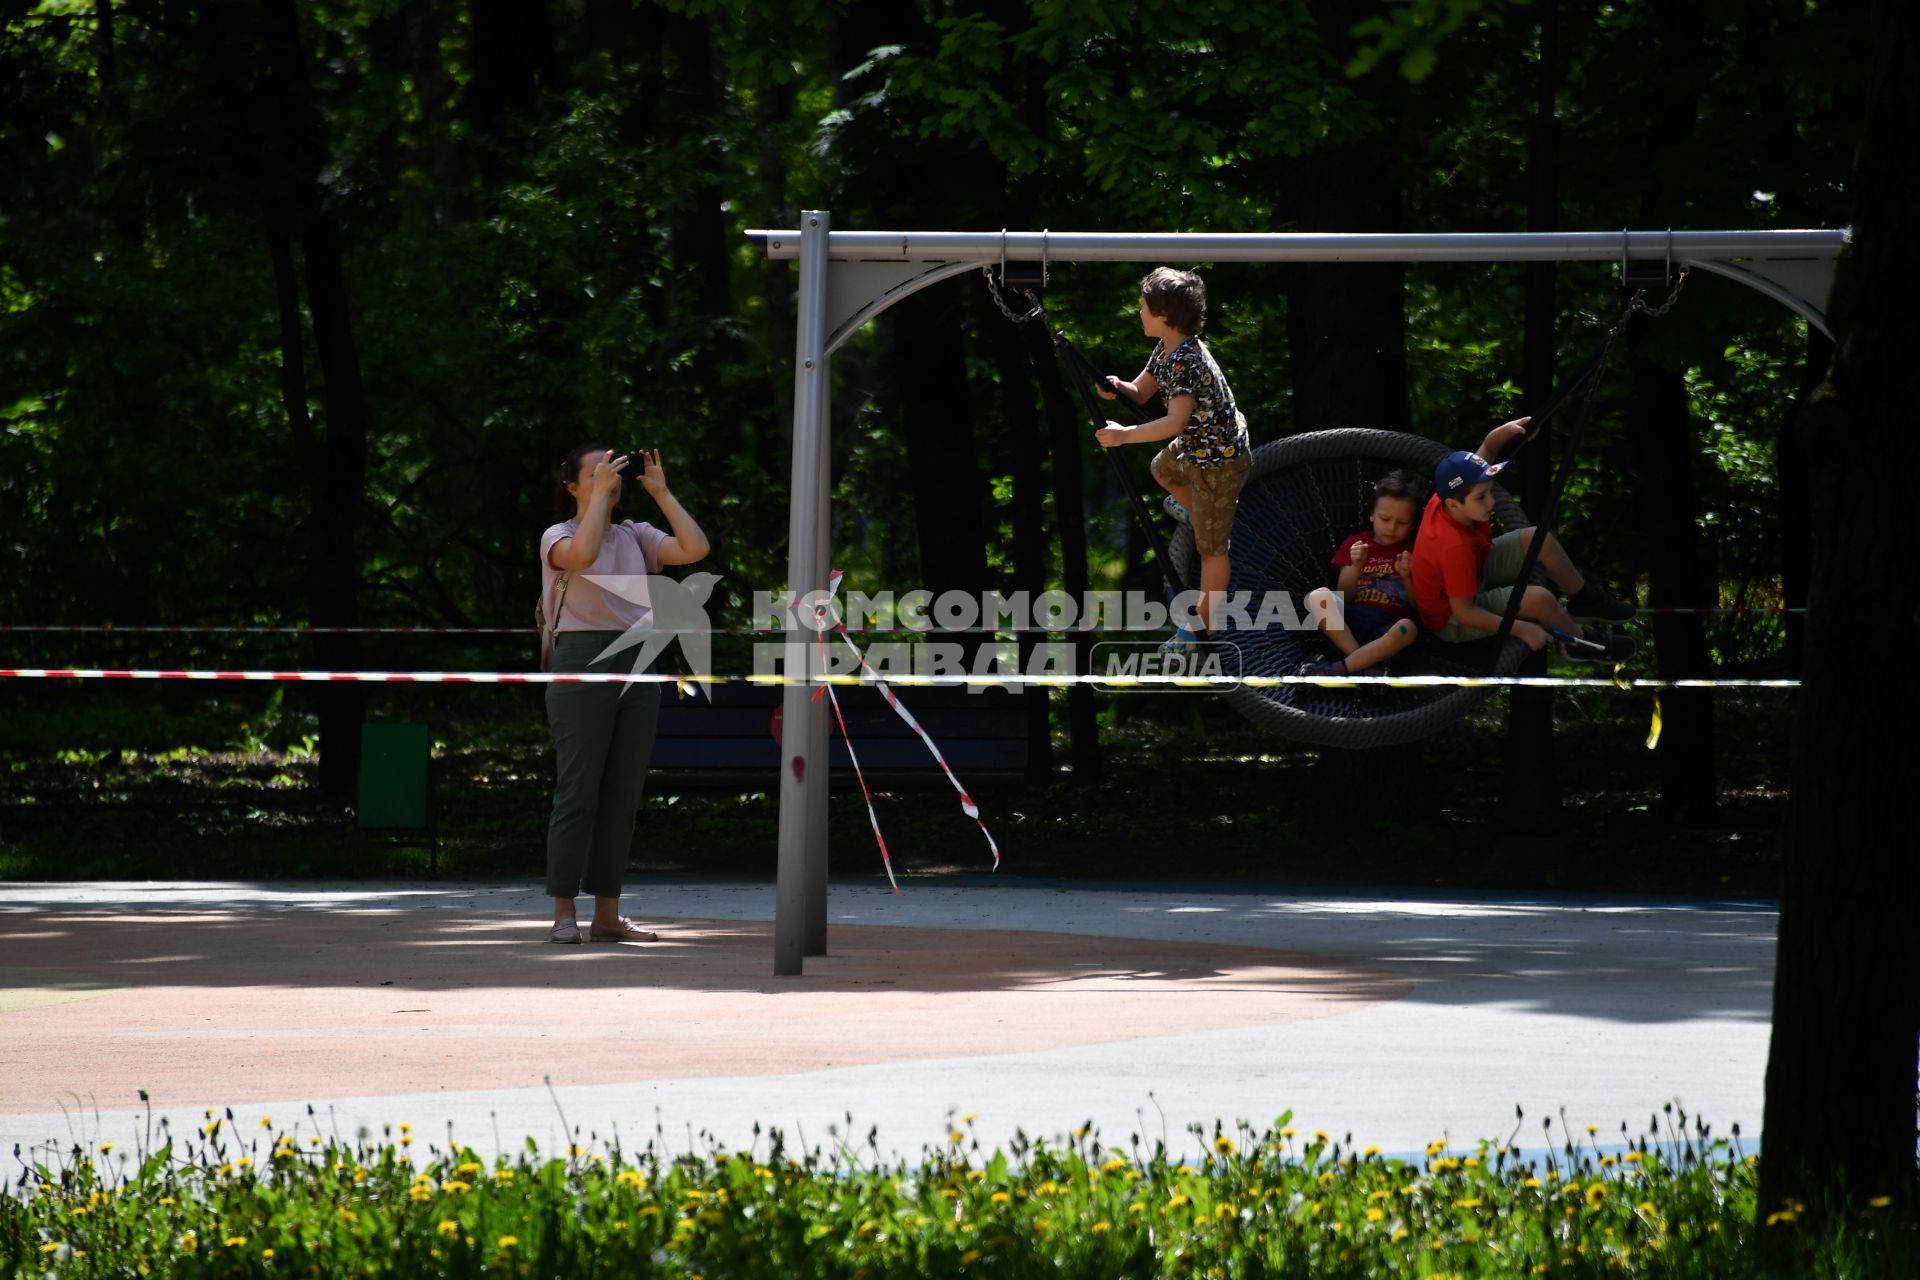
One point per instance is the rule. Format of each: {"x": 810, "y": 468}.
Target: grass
{"x": 1676, "y": 1202}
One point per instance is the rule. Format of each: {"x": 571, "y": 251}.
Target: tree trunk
{"x": 1066, "y": 443}
{"x": 509, "y": 47}
{"x": 1846, "y": 1008}
{"x": 337, "y": 470}
{"x": 1679, "y": 568}
{"x": 701, "y": 294}
{"x": 1025, "y": 435}
{"x": 936, "y": 422}
{"x": 1796, "y": 515}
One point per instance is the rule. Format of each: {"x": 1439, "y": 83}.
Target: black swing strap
{"x": 1082, "y": 375}
{"x": 1586, "y": 386}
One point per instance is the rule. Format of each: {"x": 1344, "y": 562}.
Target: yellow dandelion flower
{"x": 1224, "y": 1210}
{"x": 234, "y": 1242}
{"x": 1000, "y": 1197}
{"x": 265, "y": 1254}
{"x": 1289, "y": 1132}
{"x": 1466, "y": 1204}
{"x": 1435, "y": 1147}
{"x": 970, "y": 1117}
{"x": 956, "y": 1137}
{"x": 1593, "y": 1128}
{"x": 1224, "y": 1145}
{"x": 1137, "y": 1207}
{"x": 970, "y": 1257}
{"x": 503, "y": 1175}
{"x": 1319, "y": 1135}
{"x": 1633, "y": 1157}
{"x": 245, "y": 1162}
{"x": 1607, "y": 1162}
{"x": 51, "y": 1246}
{"x": 1596, "y": 1192}
{"x": 1782, "y": 1215}
{"x": 1177, "y": 1201}
{"x": 1327, "y": 1179}
{"x": 406, "y": 1128}
{"x": 759, "y": 1171}
{"x": 1400, "y": 1235}
{"x": 105, "y": 1147}
{"x": 1370, "y": 1153}
{"x": 1113, "y": 1166}
{"x": 1375, "y": 1215}
{"x": 420, "y": 1195}
{"x": 1101, "y": 1227}
{"x": 168, "y": 1200}
{"x": 189, "y": 1242}
{"x": 1531, "y": 1182}
{"x": 1879, "y": 1202}
{"x": 448, "y": 1227}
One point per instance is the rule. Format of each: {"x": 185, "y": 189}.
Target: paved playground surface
{"x": 1031, "y": 1005}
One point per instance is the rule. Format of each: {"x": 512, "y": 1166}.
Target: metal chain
{"x": 1639, "y": 302}
{"x": 993, "y": 287}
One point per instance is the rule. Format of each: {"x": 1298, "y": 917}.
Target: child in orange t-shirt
{"x": 1463, "y": 576}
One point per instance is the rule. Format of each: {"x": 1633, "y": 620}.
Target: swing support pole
{"x": 849, "y": 277}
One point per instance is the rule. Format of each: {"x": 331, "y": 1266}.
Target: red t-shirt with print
{"x": 1380, "y": 586}
{"x": 1448, "y": 560}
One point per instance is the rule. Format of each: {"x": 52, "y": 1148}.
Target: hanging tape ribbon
{"x": 967, "y": 805}
{"x": 833, "y": 699}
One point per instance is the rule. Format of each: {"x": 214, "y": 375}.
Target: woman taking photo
{"x": 602, "y": 733}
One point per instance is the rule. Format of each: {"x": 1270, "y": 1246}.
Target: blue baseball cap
{"x": 1460, "y": 470}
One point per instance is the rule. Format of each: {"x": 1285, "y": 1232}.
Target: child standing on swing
{"x": 1208, "y": 454}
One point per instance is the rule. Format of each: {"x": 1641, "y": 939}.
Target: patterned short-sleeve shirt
{"x": 1216, "y": 434}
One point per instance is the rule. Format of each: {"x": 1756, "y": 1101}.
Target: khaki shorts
{"x": 1216, "y": 492}
{"x": 1504, "y": 558}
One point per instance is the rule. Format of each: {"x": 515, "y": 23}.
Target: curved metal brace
{"x": 859, "y": 291}
{"x": 1800, "y": 284}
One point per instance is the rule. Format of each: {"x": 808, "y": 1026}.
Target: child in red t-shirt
{"x": 1369, "y": 615}
{"x": 1463, "y": 576}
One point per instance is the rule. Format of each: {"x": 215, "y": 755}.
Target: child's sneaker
{"x": 1181, "y": 641}
{"x": 1594, "y": 603}
{"x": 1174, "y": 509}
{"x": 1610, "y": 648}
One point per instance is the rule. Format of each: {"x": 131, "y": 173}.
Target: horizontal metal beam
{"x": 1306, "y": 246}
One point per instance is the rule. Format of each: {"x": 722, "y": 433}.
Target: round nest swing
{"x": 1305, "y": 495}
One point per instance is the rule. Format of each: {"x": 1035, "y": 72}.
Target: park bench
{"x": 986, "y": 736}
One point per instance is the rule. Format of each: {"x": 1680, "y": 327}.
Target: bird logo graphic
{"x": 676, "y": 610}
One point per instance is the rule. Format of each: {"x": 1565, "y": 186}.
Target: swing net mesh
{"x": 1305, "y": 495}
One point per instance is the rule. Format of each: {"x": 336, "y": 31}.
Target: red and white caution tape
{"x": 967, "y": 805}
{"x": 874, "y": 678}
{"x": 873, "y": 814}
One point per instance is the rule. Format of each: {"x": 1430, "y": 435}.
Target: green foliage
{"x": 222, "y": 1202}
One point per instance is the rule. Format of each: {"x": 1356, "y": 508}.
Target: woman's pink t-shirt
{"x": 631, "y": 549}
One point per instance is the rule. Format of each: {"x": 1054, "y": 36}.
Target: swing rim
{"x": 1356, "y": 732}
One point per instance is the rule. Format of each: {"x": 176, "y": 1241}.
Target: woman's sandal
{"x": 629, "y": 932}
